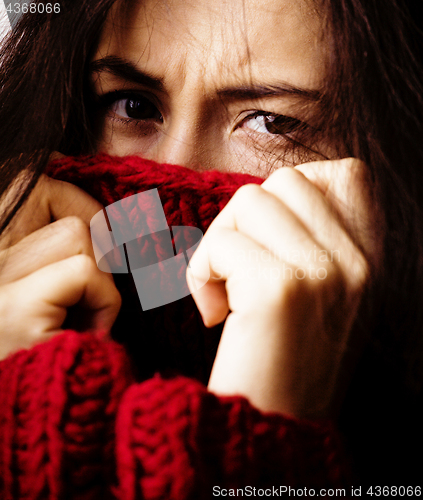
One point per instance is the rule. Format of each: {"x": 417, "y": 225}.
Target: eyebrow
{"x": 126, "y": 70}
{"x": 251, "y": 92}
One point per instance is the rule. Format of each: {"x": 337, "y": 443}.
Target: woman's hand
{"x": 289, "y": 260}
{"x": 47, "y": 267}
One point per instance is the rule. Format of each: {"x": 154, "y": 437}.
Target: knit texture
{"x": 171, "y": 338}
{"x": 80, "y": 418}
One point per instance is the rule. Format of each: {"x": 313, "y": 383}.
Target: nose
{"x": 188, "y": 139}
{"x": 179, "y": 146}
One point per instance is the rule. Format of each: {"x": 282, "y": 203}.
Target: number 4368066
{"x": 394, "y": 491}
{"x": 33, "y": 8}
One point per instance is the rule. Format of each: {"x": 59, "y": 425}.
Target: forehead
{"x": 219, "y": 39}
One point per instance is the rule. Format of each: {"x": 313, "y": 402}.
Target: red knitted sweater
{"x": 81, "y": 418}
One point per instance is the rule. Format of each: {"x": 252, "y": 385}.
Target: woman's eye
{"x": 272, "y": 124}
{"x": 135, "y": 107}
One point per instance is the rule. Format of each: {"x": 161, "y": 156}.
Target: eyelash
{"x": 270, "y": 121}
{"x": 111, "y": 99}
{"x": 291, "y": 127}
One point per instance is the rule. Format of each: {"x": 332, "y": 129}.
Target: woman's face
{"x": 227, "y": 84}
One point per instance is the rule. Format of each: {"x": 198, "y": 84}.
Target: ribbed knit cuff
{"x": 176, "y": 441}
{"x": 74, "y": 425}
{"x": 58, "y": 403}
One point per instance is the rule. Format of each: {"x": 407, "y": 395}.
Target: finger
{"x": 235, "y": 249}
{"x": 211, "y": 300}
{"x": 332, "y": 177}
{"x": 50, "y": 200}
{"x": 54, "y": 242}
{"x": 322, "y": 221}
{"x": 34, "y": 308}
{"x": 346, "y": 185}
{"x": 244, "y": 276}
{"x": 264, "y": 218}
{"x": 17, "y": 329}
{"x": 66, "y": 199}
{"x": 49, "y": 291}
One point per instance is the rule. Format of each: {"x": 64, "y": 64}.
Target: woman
{"x": 159, "y": 82}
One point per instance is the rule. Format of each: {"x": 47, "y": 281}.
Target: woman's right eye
{"x": 132, "y": 106}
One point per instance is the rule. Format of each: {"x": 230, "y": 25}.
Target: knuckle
{"x": 355, "y": 163}
{"x": 284, "y": 175}
{"x": 360, "y": 272}
{"x": 73, "y": 224}
{"x": 355, "y": 169}
{"x": 84, "y": 264}
{"x": 116, "y": 298}
{"x": 246, "y": 193}
{"x": 74, "y": 232}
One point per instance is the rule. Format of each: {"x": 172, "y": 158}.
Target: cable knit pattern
{"x": 171, "y": 337}
{"x": 80, "y": 419}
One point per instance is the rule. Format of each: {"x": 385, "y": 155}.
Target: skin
{"x": 206, "y": 87}
{"x": 204, "y": 101}
{"x": 47, "y": 268}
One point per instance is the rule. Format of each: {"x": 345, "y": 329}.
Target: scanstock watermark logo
{"x": 132, "y": 235}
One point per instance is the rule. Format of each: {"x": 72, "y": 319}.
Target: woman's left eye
{"x": 272, "y": 124}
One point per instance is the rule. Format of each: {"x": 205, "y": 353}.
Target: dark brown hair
{"x": 43, "y": 91}
{"x": 373, "y": 110}
{"x": 376, "y": 94}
